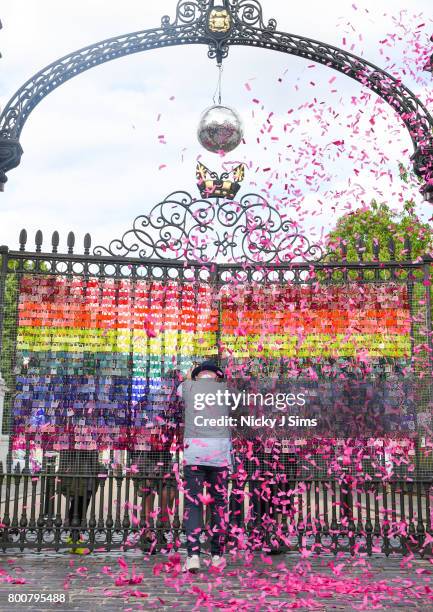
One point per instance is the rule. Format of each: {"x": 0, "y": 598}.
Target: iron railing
{"x": 392, "y": 517}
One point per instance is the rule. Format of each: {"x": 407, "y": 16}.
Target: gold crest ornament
{"x": 219, "y": 21}
{"x": 224, "y": 186}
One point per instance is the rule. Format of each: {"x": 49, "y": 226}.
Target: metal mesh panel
{"x": 88, "y": 360}
{"x": 95, "y": 362}
{"x": 325, "y": 332}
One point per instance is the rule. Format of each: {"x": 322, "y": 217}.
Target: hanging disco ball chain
{"x": 220, "y": 128}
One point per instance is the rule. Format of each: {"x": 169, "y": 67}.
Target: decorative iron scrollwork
{"x": 182, "y": 228}
{"x": 250, "y": 13}
{"x": 187, "y": 13}
{"x": 10, "y": 157}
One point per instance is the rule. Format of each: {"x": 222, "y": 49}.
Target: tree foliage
{"x": 380, "y": 223}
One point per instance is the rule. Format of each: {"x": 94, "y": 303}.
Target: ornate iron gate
{"x": 85, "y": 337}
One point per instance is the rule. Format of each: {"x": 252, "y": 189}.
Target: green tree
{"x": 379, "y": 223}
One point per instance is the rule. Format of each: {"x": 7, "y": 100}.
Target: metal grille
{"x": 93, "y": 347}
{"x": 114, "y": 511}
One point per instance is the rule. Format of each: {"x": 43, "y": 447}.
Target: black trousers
{"x": 265, "y": 502}
{"x": 285, "y": 469}
{"x": 82, "y": 505}
{"x": 216, "y": 479}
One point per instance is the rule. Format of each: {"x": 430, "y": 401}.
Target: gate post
{"x": 4, "y": 438}
{"x": 216, "y": 287}
{"x": 428, "y": 300}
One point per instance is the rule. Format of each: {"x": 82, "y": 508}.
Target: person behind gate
{"x": 207, "y": 461}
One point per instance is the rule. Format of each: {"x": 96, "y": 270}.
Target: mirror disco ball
{"x": 220, "y": 129}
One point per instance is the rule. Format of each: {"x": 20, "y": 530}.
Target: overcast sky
{"x": 93, "y": 157}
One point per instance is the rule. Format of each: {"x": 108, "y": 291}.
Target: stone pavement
{"x": 130, "y": 581}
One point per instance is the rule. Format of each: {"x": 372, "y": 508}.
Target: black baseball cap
{"x": 207, "y": 366}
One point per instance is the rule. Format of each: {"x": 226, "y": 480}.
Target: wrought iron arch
{"x": 219, "y": 24}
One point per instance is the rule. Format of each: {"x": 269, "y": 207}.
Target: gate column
{"x": 4, "y": 439}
